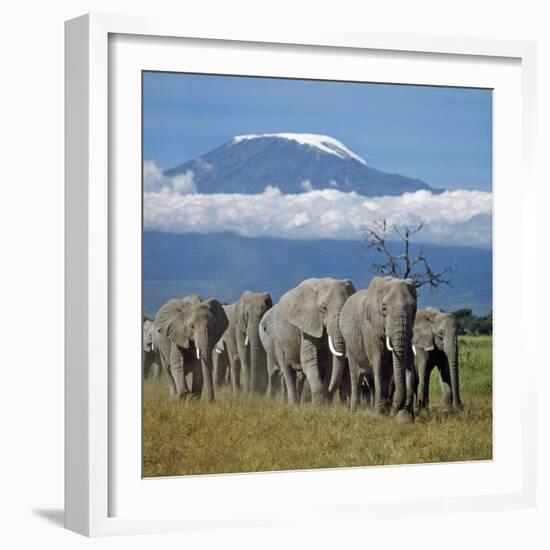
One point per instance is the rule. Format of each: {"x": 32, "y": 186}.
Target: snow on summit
{"x": 326, "y": 144}
{"x": 292, "y": 162}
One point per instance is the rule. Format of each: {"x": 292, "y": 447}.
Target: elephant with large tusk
{"x": 435, "y": 344}
{"x": 377, "y": 326}
{"x": 184, "y": 324}
{"x": 306, "y": 325}
{"x": 249, "y": 310}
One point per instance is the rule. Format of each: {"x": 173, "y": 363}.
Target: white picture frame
{"x": 98, "y": 499}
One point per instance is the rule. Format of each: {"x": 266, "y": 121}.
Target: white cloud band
{"x": 452, "y": 218}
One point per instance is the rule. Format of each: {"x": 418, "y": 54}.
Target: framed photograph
{"x": 288, "y": 275}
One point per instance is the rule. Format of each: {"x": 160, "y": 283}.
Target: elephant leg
{"x": 424, "y": 372}
{"x": 446, "y": 390}
{"x": 355, "y": 380}
{"x": 300, "y": 381}
{"x": 245, "y": 366}
{"x": 220, "y": 369}
{"x": 272, "y": 376}
{"x": 216, "y": 361}
{"x": 177, "y": 370}
{"x": 276, "y": 382}
{"x": 235, "y": 366}
{"x": 370, "y": 391}
{"x": 309, "y": 358}
{"x": 156, "y": 371}
{"x": 410, "y": 381}
{"x": 290, "y": 380}
{"x": 305, "y": 396}
{"x": 382, "y": 381}
{"x": 344, "y": 389}
{"x": 146, "y": 365}
{"x": 169, "y": 378}
{"x": 171, "y": 383}
{"x": 227, "y": 380}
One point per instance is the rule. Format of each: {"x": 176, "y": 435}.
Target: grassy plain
{"x": 244, "y": 434}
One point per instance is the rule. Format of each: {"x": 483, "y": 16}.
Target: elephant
{"x": 307, "y": 329}
{"x": 249, "y": 310}
{"x": 185, "y": 324}
{"x": 435, "y": 344}
{"x": 227, "y": 363}
{"x": 151, "y": 358}
{"x": 377, "y": 326}
{"x": 275, "y": 380}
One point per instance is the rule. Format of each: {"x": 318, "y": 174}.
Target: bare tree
{"x": 402, "y": 265}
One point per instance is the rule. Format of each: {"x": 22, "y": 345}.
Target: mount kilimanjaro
{"x": 295, "y": 163}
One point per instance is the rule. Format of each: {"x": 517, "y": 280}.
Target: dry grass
{"x": 239, "y": 434}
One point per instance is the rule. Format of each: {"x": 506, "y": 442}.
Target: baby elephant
{"x": 435, "y": 344}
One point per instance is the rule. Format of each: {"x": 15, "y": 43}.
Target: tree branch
{"x": 401, "y": 265}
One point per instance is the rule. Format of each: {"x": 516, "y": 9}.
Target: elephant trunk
{"x": 258, "y": 360}
{"x": 400, "y": 343}
{"x": 421, "y": 365}
{"x": 205, "y": 347}
{"x": 451, "y": 351}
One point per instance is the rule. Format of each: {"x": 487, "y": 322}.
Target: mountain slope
{"x": 224, "y": 265}
{"x": 294, "y": 163}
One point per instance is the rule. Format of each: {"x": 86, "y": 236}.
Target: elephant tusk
{"x": 198, "y": 353}
{"x": 429, "y": 349}
{"x": 218, "y": 350}
{"x": 388, "y": 344}
{"x": 246, "y": 340}
{"x": 332, "y": 348}
{"x": 414, "y": 350}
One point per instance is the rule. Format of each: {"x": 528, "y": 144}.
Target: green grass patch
{"x": 253, "y": 434}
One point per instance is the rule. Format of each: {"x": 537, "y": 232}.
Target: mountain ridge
{"x": 223, "y": 265}
{"x": 295, "y": 163}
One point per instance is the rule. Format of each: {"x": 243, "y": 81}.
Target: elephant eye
{"x": 384, "y": 309}
{"x": 323, "y": 308}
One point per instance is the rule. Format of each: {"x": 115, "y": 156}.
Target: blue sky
{"x": 440, "y": 135}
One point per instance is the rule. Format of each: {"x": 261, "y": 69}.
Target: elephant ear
{"x": 268, "y": 300}
{"x": 222, "y": 321}
{"x": 266, "y": 324}
{"x": 300, "y": 309}
{"x": 422, "y": 333}
{"x": 373, "y": 314}
{"x": 171, "y": 321}
{"x": 349, "y": 286}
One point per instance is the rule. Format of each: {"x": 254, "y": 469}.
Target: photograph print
{"x": 317, "y": 274}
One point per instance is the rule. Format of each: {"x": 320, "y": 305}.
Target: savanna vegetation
{"x": 238, "y": 433}
{"x": 474, "y": 324}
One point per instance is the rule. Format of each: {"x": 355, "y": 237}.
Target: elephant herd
{"x": 323, "y": 337}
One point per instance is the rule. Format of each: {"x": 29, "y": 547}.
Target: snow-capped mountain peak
{"x": 291, "y": 162}
{"x": 327, "y": 144}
